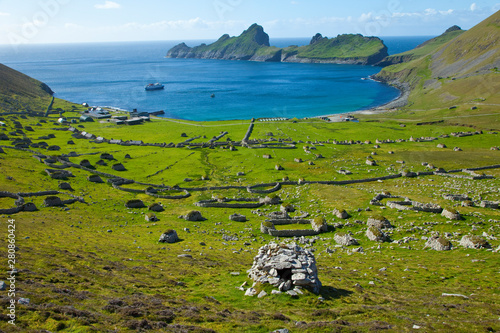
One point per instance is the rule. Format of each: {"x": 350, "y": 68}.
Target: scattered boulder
{"x": 101, "y": 163}
{"x": 54, "y": 148}
{"x": 341, "y": 214}
{"x": 285, "y": 266}
{"x": 59, "y": 174}
{"x": 86, "y": 164}
{"x": 319, "y": 224}
{"x": 474, "y": 242}
{"x": 279, "y": 167}
{"x": 118, "y": 167}
{"x": 128, "y": 156}
{"x": 371, "y": 163}
{"x": 238, "y": 218}
{"x": 29, "y": 207}
{"x": 451, "y": 214}
{"x": 345, "y": 239}
{"x": 271, "y": 200}
{"x": 379, "y": 222}
{"x": 267, "y": 156}
{"x": 151, "y": 217}
{"x": 441, "y": 146}
{"x": 489, "y": 204}
{"x": 95, "y": 179}
{"x": 169, "y": 236}
{"x": 106, "y": 156}
{"x": 298, "y": 160}
{"x": 52, "y": 201}
{"x": 438, "y": 243}
{"x": 288, "y": 208}
{"x": 193, "y": 216}
{"x": 375, "y": 234}
{"x": 65, "y": 186}
{"x": 135, "y": 203}
{"x": 156, "y": 207}
{"x": 281, "y": 215}
{"x": 266, "y": 226}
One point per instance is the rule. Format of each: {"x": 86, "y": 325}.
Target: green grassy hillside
{"x": 423, "y": 49}
{"x": 19, "y": 91}
{"x": 462, "y": 71}
{"x": 343, "y": 46}
{"x": 253, "y": 44}
{"x": 97, "y": 266}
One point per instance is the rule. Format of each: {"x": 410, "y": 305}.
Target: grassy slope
{"x": 461, "y": 71}
{"x": 343, "y": 46}
{"x": 425, "y": 48}
{"x": 74, "y": 270}
{"x": 19, "y": 91}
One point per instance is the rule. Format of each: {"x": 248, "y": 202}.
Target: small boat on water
{"x": 154, "y": 86}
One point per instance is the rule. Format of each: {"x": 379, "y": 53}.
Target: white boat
{"x": 154, "y": 86}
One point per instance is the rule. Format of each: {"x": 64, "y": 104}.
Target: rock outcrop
{"x": 474, "y": 242}
{"x": 169, "y": 236}
{"x": 438, "y": 243}
{"x": 375, "y": 234}
{"x": 193, "y": 216}
{"x": 345, "y": 239}
{"x": 253, "y": 44}
{"x": 238, "y": 218}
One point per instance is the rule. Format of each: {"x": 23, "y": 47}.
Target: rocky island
{"x": 253, "y": 45}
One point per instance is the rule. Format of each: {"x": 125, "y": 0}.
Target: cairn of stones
{"x": 285, "y": 267}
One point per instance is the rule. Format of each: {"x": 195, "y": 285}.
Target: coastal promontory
{"x": 253, "y": 44}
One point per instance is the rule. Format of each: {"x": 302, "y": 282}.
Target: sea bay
{"x": 114, "y": 74}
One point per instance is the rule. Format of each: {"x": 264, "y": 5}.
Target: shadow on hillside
{"x": 329, "y": 293}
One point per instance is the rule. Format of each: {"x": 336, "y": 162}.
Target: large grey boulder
{"x": 118, "y": 167}
{"x": 65, "y": 186}
{"x": 345, "y": 239}
{"x": 156, "y": 207}
{"x": 169, "y": 236}
{"x": 238, "y": 218}
{"x": 438, "y": 243}
{"x": 379, "y": 222}
{"x": 474, "y": 242}
{"x": 193, "y": 216}
{"x": 86, "y": 164}
{"x": 266, "y": 226}
{"x": 375, "y": 234}
{"x": 319, "y": 224}
{"x": 451, "y": 214}
{"x": 151, "y": 217}
{"x": 341, "y": 214}
{"x": 271, "y": 200}
{"x": 52, "y": 201}
{"x": 95, "y": 179}
{"x": 136, "y": 203}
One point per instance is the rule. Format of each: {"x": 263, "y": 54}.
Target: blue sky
{"x": 68, "y": 21}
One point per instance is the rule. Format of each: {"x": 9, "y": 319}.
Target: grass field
{"x": 98, "y": 267}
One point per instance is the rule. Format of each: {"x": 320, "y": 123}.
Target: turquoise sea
{"x": 114, "y": 74}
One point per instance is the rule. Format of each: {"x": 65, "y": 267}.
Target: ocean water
{"x": 114, "y": 74}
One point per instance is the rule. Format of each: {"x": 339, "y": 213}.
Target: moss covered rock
{"x": 193, "y": 216}
{"x": 375, "y": 234}
{"x": 474, "y": 242}
{"x": 379, "y": 222}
